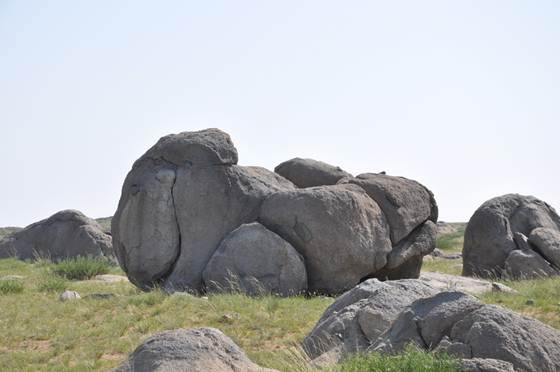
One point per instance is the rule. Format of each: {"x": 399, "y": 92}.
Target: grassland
{"x": 41, "y": 333}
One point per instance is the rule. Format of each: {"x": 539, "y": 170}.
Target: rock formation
{"x": 66, "y": 234}
{"x": 512, "y": 235}
{"x": 183, "y": 204}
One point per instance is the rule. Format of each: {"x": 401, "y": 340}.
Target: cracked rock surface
{"x": 460, "y": 325}
{"x": 187, "y": 194}
{"x": 521, "y": 230}
{"x": 65, "y": 234}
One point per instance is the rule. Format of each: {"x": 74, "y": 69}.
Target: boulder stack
{"x": 191, "y": 219}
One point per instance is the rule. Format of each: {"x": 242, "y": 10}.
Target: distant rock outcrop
{"x": 66, "y": 234}
{"x": 185, "y": 197}
{"x": 513, "y": 235}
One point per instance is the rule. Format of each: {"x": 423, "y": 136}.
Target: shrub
{"x": 81, "y": 268}
{"x": 52, "y": 284}
{"x": 10, "y": 286}
{"x": 412, "y": 360}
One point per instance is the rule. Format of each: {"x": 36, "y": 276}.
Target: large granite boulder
{"x": 460, "y": 325}
{"x": 254, "y": 260}
{"x": 66, "y": 234}
{"x": 193, "y": 350}
{"x": 501, "y": 226}
{"x": 179, "y": 201}
{"x": 184, "y": 197}
{"x": 341, "y": 233}
{"x": 308, "y": 172}
{"x": 361, "y": 315}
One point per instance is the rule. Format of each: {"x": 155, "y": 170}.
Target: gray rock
{"x": 547, "y": 242}
{"x": 406, "y": 203}
{"x": 179, "y": 201}
{"x": 69, "y": 295}
{"x": 527, "y": 265}
{"x": 308, "y": 172}
{"x": 337, "y": 255}
{"x": 447, "y": 282}
{"x": 419, "y": 243}
{"x": 254, "y": 260}
{"x": 363, "y": 313}
{"x": 459, "y": 324}
{"x": 66, "y": 234}
{"x": 192, "y": 350}
{"x": 489, "y": 236}
{"x": 485, "y": 365}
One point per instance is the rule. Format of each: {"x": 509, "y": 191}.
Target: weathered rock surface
{"x": 406, "y": 203}
{"x": 193, "y": 350}
{"x": 254, "y": 260}
{"x": 179, "y": 201}
{"x": 446, "y": 282}
{"x": 527, "y": 264}
{"x": 66, "y": 234}
{"x": 308, "y": 172}
{"x": 337, "y": 255}
{"x": 497, "y": 228}
{"x": 547, "y": 243}
{"x": 362, "y": 314}
{"x": 485, "y": 365}
{"x": 460, "y": 325}
{"x": 69, "y": 296}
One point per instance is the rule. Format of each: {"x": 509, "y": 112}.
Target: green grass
{"x": 81, "y": 268}
{"x": 451, "y": 242}
{"x": 5, "y": 231}
{"x": 10, "y": 286}
{"x": 413, "y": 360}
{"x": 440, "y": 265}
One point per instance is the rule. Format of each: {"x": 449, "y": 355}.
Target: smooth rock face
{"x": 547, "y": 242}
{"x": 337, "y": 255}
{"x": 418, "y": 244}
{"x": 495, "y": 229}
{"x": 527, "y": 265}
{"x": 362, "y": 314}
{"x": 308, "y": 172}
{"x": 254, "y": 260}
{"x": 66, "y": 234}
{"x": 460, "y": 325}
{"x": 406, "y": 203}
{"x": 193, "y": 350}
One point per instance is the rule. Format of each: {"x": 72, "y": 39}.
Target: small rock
{"x": 12, "y": 277}
{"x": 437, "y": 252}
{"x": 108, "y": 278}
{"x": 530, "y": 302}
{"x": 100, "y": 296}
{"x": 227, "y": 318}
{"x": 499, "y": 287}
{"x": 69, "y": 295}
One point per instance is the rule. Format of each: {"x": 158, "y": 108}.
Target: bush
{"x": 10, "y": 286}
{"x": 52, "y": 284}
{"x": 81, "y": 268}
{"x": 412, "y": 360}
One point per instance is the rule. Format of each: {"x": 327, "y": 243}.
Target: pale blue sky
{"x": 462, "y": 96}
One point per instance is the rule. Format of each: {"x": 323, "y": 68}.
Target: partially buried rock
{"x": 337, "y": 255}
{"x": 527, "y": 264}
{"x": 66, "y": 234}
{"x": 500, "y": 226}
{"x": 254, "y": 260}
{"x": 362, "y": 314}
{"x": 309, "y": 172}
{"x": 460, "y": 325}
{"x": 193, "y": 350}
{"x": 485, "y": 365}
{"x": 69, "y": 295}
